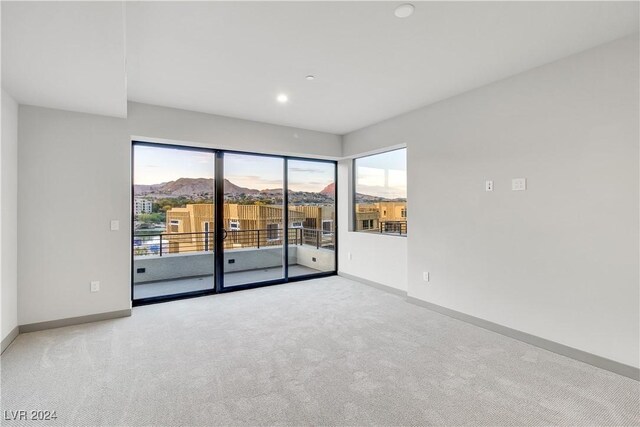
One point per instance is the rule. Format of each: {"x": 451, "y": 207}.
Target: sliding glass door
{"x": 253, "y": 219}
{"x": 312, "y": 217}
{"x": 173, "y": 250}
{"x": 207, "y": 221}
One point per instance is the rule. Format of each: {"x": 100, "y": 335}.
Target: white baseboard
{"x": 555, "y": 347}
{"x": 6, "y": 342}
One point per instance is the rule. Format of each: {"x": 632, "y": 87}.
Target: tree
{"x": 151, "y": 218}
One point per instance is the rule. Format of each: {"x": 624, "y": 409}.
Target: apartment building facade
{"x": 385, "y": 217}
{"x": 142, "y": 206}
{"x": 191, "y": 228}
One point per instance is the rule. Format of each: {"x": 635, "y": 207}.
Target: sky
{"x": 383, "y": 175}
{"x": 310, "y": 176}
{"x": 154, "y": 165}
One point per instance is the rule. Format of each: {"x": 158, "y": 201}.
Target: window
{"x": 367, "y": 224}
{"x": 381, "y": 193}
{"x": 272, "y": 232}
{"x": 234, "y": 225}
{"x": 174, "y": 226}
{"x": 327, "y": 227}
{"x": 296, "y": 224}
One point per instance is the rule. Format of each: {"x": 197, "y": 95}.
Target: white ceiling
{"x": 233, "y": 58}
{"x": 66, "y": 55}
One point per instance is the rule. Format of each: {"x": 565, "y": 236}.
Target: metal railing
{"x": 164, "y": 243}
{"x": 176, "y": 243}
{"x": 393, "y": 227}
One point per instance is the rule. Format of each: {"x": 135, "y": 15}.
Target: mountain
{"x": 329, "y": 190}
{"x": 366, "y": 198}
{"x": 231, "y": 188}
{"x": 188, "y": 187}
{"x": 198, "y": 188}
{"x": 272, "y": 191}
{"x": 146, "y": 189}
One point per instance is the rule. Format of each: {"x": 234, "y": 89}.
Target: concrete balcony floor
{"x": 190, "y": 284}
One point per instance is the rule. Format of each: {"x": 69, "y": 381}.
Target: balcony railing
{"x": 393, "y": 227}
{"x": 176, "y": 243}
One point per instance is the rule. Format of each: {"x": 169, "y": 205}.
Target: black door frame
{"x": 219, "y": 225}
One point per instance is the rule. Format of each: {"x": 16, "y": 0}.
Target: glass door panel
{"x": 197, "y": 232}
{"x": 312, "y": 215}
{"x": 173, "y": 239}
{"x": 253, "y": 219}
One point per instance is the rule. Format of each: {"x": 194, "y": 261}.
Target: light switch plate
{"x": 518, "y": 184}
{"x": 95, "y": 286}
{"x": 115, "y": 225}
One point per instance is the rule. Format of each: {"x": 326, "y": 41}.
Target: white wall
{"x": 375, "y": 257}
{"x": 207, "y": 130}
{"x": 9, "y": 214}
{"x": 74, "y": 177}
{"x": 560, "y": 260}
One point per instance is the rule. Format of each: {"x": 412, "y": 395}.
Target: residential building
{"x": 142, "y": 206}
{"x": 245, "y": 225}
{"x": 383, "y": 217}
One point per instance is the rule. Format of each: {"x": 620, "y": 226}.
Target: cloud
{"x": 254, "y": 182}
{"x": 307, "y": 170}
{"x": 203, "y": 158}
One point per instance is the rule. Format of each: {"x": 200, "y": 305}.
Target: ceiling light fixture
{"x": 310, "y": 77}
{"x": 282, "y": 98}
{"x": 404, "y": 10}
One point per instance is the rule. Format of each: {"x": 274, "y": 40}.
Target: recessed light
{"x": 310, "y": 77}
{"x": 282, "y": 98}
{"x": 404, "y": 10}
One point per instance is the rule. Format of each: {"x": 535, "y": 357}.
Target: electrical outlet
{"x": 488, "y": 186}
{"x": 518, "y": 184}
{"x": 425, "y": 276}
{"x": 95, "y": 286}
{"x": 115, "y": 225}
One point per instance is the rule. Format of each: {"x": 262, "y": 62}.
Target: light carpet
{"x": 324, "y": 352}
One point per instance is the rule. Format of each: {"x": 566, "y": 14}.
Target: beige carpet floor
{"x": 324, "y": 352}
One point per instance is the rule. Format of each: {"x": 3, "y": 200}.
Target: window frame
{"x": 353, "y": 227}
{"x": 270, "y": 231}
{"x": 328, "y": 232}
{"x": 368, "y": 226}
{"x": 174, "y": 223}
